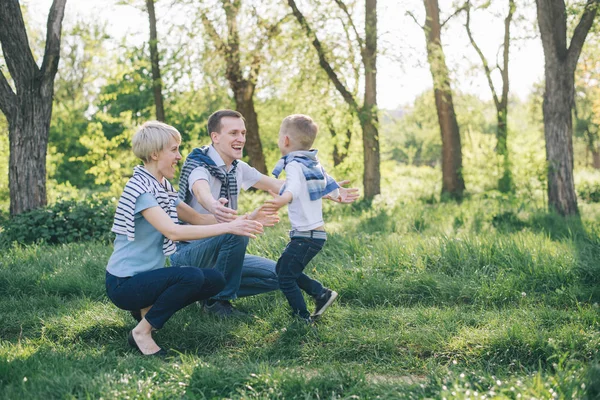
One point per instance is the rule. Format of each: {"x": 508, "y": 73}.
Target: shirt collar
{"x": 214, "y": 154}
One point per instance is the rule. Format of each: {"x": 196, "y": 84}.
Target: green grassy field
{"x": 491, "y": 298}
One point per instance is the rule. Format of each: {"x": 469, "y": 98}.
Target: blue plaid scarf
{"x": 142, "y": 182}
{"x": 319, "y": 183}
{"x": 199, "y": 158}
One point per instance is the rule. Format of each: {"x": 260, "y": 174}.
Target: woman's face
{"x": 168, "y": 158}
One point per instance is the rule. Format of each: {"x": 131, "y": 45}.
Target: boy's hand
{"x": 347, "y": 195}
{"x": 265, "y": 214}
{"x": 242, "y": 226}
{"x": 278, "y": 201}
{"x": 222, "y": 213}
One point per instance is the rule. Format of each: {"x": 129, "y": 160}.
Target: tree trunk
{"x": 558, "y": 131}
{"x": 154, "y": 58}
{"x": 340, "y": 152}
{"x": 368, "y": 114}
{"x": 28, "y": 109}
{"x": 453, "y": 184}
{"x": 596, "y": 157}
{"x": 244, "y": 100}
{"x": 28, "y": 143}
{"x": 505, "y": 183}
{"x": 559, "y": 69}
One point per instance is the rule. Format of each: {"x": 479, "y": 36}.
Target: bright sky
{"x": 403, "y": 72}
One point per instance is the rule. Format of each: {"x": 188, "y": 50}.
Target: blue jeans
{"x": 167, "y": 290}
{"x": 290, "y": 267}
{"x": 245, "y": 275}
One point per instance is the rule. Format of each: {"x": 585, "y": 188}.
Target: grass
{"x": 491, "y": 297}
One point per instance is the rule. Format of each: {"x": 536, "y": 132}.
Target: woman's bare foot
{"x": 142, "y": 335}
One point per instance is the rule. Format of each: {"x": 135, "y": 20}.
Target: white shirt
{"x": 305, "y": 214}
{"x": 245, "y": 175}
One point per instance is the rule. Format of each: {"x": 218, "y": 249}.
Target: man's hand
{"x": 222, "y": 213}
{"x": 265, "y": 214}
{"x": 347, "y": 195}
{"x": 278, "y": 201}
{"x": 242, "y": 226}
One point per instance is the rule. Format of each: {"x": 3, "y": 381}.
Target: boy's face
{"x": 230, "y": 141}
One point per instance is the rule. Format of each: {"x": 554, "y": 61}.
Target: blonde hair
{"x": 301, "y": 129}
{"x": 151, "y": 138}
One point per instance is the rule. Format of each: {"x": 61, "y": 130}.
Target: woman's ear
{"x": 154, "y": 156}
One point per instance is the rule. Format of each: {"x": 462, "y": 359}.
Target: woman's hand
{"x": 243, "y": 226}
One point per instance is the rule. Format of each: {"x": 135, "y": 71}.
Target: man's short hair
{"x": 301, "y": 128}
{"x": 214, "y": 121}
{"x": 151, "y": 138}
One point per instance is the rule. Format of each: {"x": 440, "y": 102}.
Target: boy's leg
{"x": 225, "y": 253}
{"x": 258, "y": 276}
{"x": 289, "y": 268}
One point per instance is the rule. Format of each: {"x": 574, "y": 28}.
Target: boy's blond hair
{"x": 151, "y": 138}
{"x": 301, "y": 129}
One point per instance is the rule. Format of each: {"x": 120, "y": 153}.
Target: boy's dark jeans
{"x": 290, "y": 267}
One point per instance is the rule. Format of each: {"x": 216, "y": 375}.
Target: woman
{"x": 146, "y": 224}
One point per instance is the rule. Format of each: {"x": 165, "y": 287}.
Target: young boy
{"x": 305, "y": 184}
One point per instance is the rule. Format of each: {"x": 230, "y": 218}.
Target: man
{"x": 210, "y": 182}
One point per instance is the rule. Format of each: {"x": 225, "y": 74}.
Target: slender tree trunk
{"x": 28, "y": 109}
{"x": 559, "y": 67}
{"x": 244, "y": 100}
{"x": 154, "y": 59}
{"x": 453, "y": 184}
{"x": 558, "y": 131}
{"x": 505, "y": 183}
{"x": 596, "y": 157}
{"x": 368, "y": 115}
{"x": 340, "y": 152}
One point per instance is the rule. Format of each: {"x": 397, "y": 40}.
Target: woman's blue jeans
{"x": 290, "y": 267}
{"x": 167, "y": 290}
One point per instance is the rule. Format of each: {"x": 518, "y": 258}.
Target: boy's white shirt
{"x": 304, "y": 214}
{"x": 245, "y": 175}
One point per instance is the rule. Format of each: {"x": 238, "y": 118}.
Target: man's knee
{"x": 237, "y": 240}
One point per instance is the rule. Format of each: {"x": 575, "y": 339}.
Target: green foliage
{"x": 63, "y": 222}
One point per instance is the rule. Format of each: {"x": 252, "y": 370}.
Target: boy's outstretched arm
{"x": 347, "y": 195}
{"x": 265, "y": 214}
{"x": 279, "y": 201}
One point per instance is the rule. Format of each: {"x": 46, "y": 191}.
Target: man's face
{"x": 230, "y": 141}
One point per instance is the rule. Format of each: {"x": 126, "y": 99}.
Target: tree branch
{"x": 580, "y": 33}
{"x": 410, "y": 14}
{"x": 458, "y": 11}
{"x": 360, "y": 41}
{"x": 212, "y": 32}
{"x": 486, "y": 67}
{"x": 52, "y": 51}
{"x": 346, "y": 95}
{"x": 15, "y": 46}
{"x": 8, "y": 98}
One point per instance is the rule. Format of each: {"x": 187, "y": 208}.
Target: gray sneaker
{"x": 223, "y": 309}
{"x": 323, "y": 302}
